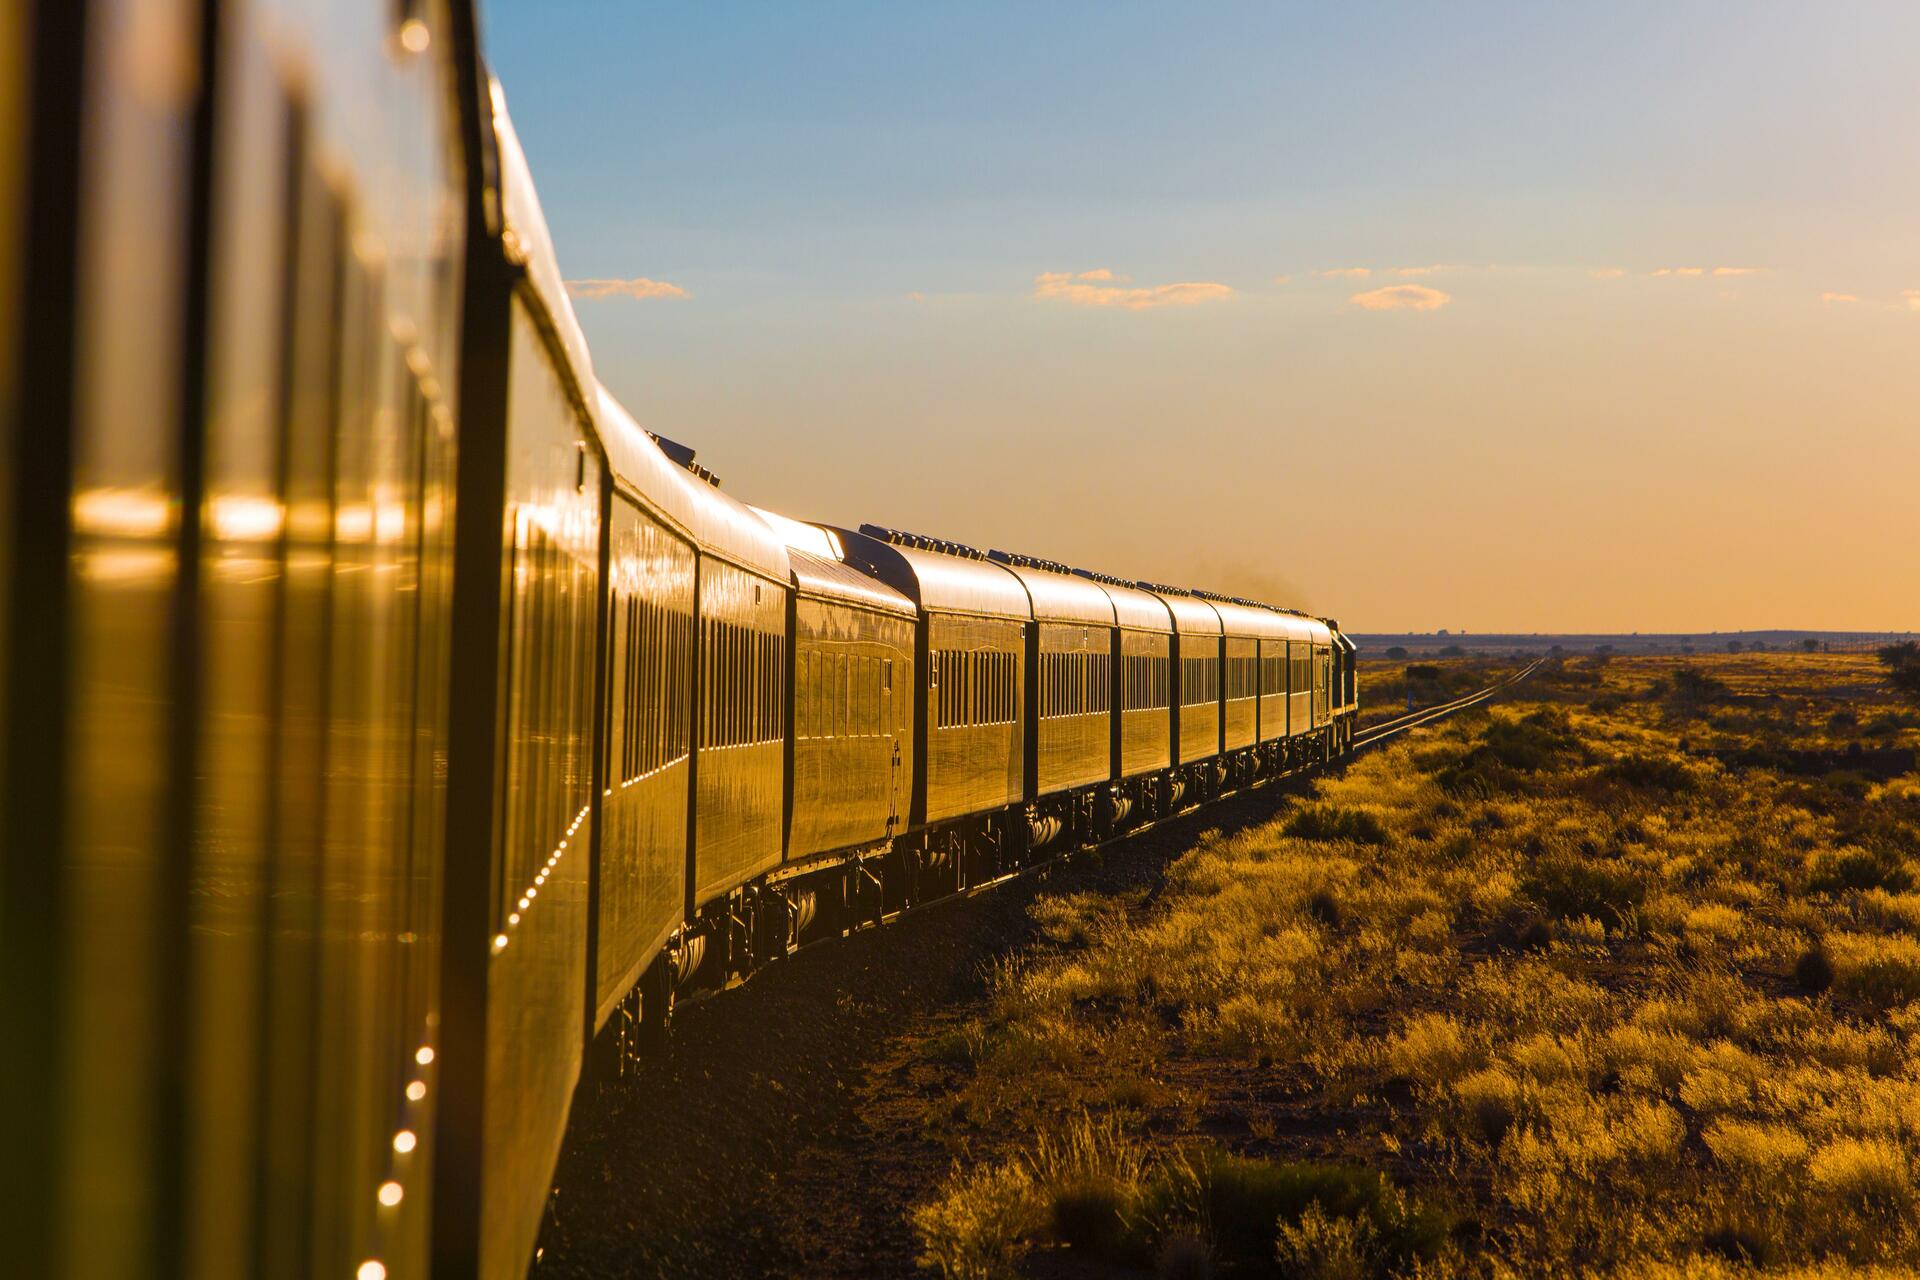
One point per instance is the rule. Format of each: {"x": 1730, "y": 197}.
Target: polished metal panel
{"x": 643, "y": 838}
{"x": 853, "y": 682}
{"x": 1192, "y": 616}
{"x": 1197, "y": 640}
{"x": 529, "y": 240}
{"x": 740, "y": 773}
{"x": 976, "y": 674}
{"x": 723, "y": 527}
{"x": 1241, "y": 679}
{"x": 1132, "y": 607}
{"x": 937, "y": 582}
{"x": 830, "y": 579}
{"x": 1276, "y": 703}
{"x": 1061, "y": 597}
{"x": 536, "y": 977}
{"x": 1074, "y": 740}
{"x": 1321, "y": 672}
{"x": 1145, "y": 718}
{"x": 112, "y": 942}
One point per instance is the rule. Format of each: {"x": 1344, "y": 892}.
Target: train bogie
{"x": 341, "y": 815}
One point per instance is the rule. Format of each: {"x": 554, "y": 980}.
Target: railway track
{"x": 1364, "y": 738}
{"x": 1427, "y": 715}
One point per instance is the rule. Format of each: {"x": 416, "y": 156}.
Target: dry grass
{"x": 1620, "y": 980}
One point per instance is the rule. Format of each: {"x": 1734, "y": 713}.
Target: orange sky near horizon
{"x": 1491, "y": 317}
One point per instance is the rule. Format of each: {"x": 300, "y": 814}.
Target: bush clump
{"x": 1256, "y": 1210}
{"x": 1330, "y": 822}
{"x": 1510, "y": 750}
{"x": 1567, "y": 887}
{"x": 1854, "y": 867}
{"x": 1650, "y": 773}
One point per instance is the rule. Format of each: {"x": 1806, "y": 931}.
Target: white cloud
{"x": 1681, "y": 271}
{"x": 1402, "y": 297}
{"x": 1283, "y": 279}
{"x": 1345, "y": 273}
{"x": 1076, "y": 289}
{"x": 1737, "y": 271}
{"x": 1607, "y": 273}
{"x": 638, "y": 287}
{"x": 1913, "y": 298}
{"x": 1839, "y": 297}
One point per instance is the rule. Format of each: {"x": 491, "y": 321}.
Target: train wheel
{"x": 656, "y": 1004}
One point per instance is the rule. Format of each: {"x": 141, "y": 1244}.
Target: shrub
{"x": 1881, "y": 971}
{"x": 1489, "y": 1103}
{"x": 1755, "y": 1149}
{"x": 981, "y": 1225}
{"x": 1568, "y": 887}
{"x": 1431, "y": 1050}
{"x": 1814, "y": 969}
{"x": 1509, "y": 749}
{"x": 1868, "y": 1174}
{"x": 1184, "y": 1257}
{"x": 1330, "y": 822}
{"x": 1693, "y": 685}
{"x": 1650, "y": 773}
{"x": 1744, "y": 1243}
{"x": 1247, "y": 1201}
{"x": 1318, "y": 1247}
{"x": 1853, "y": 867}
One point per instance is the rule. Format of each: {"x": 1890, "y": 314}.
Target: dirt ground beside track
{"x": 781, "y": 1133}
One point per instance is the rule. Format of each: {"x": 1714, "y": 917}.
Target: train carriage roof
{"x": 1132, "y": 608}
{"x": 819, "y": 571}
{"x": 719, "y": 524}
{"x": 1320, "y": 631}
{"x": 1250, "y": 620}
{"x": 1192, "y": 616}
{"x": 526, "y": 229}
{"x": 1297, "y": 627}
{"x": 1056, "y": 595}
{"x": 941, "y": 577}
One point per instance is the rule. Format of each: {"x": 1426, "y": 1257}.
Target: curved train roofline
{"x": 515, "y": 725}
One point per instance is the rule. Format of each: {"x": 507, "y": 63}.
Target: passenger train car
{"x": 391, "y": 727}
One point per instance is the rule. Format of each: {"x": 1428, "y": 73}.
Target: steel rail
{"x": 1427, "y": 715}
{"x": 1060, "y": 861}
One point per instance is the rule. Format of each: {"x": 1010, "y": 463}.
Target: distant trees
{"x": 1902, "y": 662}
{"x": 1810, "y": 644}
{"x": 1733, "y": 646}
{"x": 1422, "y": 672}
{"x": 1397, "y": 652}
{"x": 1453, "y": 651}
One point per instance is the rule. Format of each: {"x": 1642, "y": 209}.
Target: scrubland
{"x": 1619, "y": 977}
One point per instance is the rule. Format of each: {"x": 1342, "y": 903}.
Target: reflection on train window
{"x": 744, "y": 700}
{"x": 1144, "y": 682}
{"x": 1075, "y": 684}
{"x": 1199, "y": 681}
{"x": 974, "y": 688}
{"x": 1241, "y": 671}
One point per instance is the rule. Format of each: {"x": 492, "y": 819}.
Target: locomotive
{"x": 392, "y": 727}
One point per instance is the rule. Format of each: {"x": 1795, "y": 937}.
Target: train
{"x": 393, "y": 728}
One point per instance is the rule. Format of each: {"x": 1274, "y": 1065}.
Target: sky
{"x": 1520, "y": 316}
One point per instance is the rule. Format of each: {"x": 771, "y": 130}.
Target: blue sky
{"x": 860, "y": 202}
